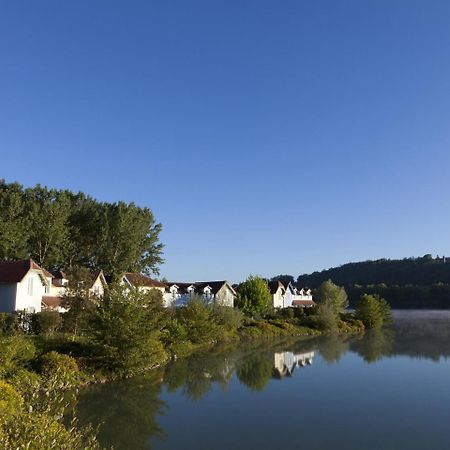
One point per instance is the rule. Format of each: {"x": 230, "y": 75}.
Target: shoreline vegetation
{"x": 128, "y": 332}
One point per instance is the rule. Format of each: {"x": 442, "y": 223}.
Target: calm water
{"x": 386, "y": 390}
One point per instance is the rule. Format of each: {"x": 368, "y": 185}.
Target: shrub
{"x": 60, "y": 370}
{"x": 25, "y": 382}
{"x": 46, "y": 322}
{"x": 17, "y": 351}
{"x": 10, "y": 399}
{"x": 9, "y": 324}
{"x": 287, "y": 313}
{"x": 230, "y": 318}
{"x": 35, "y": 431}
{"x": 373, "y": 311}
{"x": 197, "y": 318}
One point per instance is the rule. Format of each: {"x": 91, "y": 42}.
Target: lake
{"x": 386, "y": 390}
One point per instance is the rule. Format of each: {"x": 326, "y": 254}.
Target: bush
{"x": 10, "y": 399}
{"x": 26, "y": 430}
{"x": 17, "y": 351}
{"x": 9, "y": 324}
{"x": 288, "y": 313}
{"x": 60, "y": 370}
{"x": 229, "y": 318}
{"x": 46, "y": 322}
{"x": 197, "y": 318}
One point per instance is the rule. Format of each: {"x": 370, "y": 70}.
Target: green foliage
{"x": 253, "y": 297}
{"x": 30, "y": 430}
{"x": 198, "y": 320}
{"x": 61, "y": 229}
{"x": 331, "y": 301}
{"x": 16, "y": 351}
{"x": 46, "y": 322}
{"x": 10, "y": 400}
{"x": 9, "y": 324}
{"x": 372, "y": 311}
{"x": 255, "y": 371}
{"x": 126, "y": 325}
{"x": 331, "y": 295}
{"x": 62, "y": 370}
{"x": 229, "y": 318}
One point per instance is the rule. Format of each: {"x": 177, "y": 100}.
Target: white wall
{"x": 225, "y": 297}
{"x": 24, "y": 301}
{"x": 277, "y": 299}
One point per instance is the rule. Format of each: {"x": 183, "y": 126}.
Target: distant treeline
{"x": 61, "y": 229}
{"x": 422, "y": 282}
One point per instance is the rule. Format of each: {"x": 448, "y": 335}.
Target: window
{"x": 47, "y": 288}
{"x": 30, "y": 286}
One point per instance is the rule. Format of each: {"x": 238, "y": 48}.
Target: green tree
{"x": 331, "y": 295}
{"x": 129, "y": 240}
{"x": 48, "y": 212}
{"x": 198, "y": 321}
{"x": 253, "y": 296}
{"x": 126, "y": 325}
{"x": 372, "y": 311}
{"x": 14, "y": 226}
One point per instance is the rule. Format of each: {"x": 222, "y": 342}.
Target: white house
{"x": 219, "y": 292}
{"x": 22, "y": 286}
{"x": 277, "y": 290}
{"x": 59, "y": 284}
{"x": 298, "y": 297}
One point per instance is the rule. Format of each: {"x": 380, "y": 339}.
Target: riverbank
{"x": 37, "y": 369}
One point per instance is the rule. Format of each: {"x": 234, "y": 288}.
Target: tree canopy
{"x": 62, "y": 229}
{"x": 253, "y": 296}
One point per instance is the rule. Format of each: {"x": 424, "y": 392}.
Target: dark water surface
{"x": 386, "y": 390}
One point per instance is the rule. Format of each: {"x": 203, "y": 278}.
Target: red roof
{"x": 304, "y": 303}
{"x": 14, "y": 271}
{"x": 49, "y": 301}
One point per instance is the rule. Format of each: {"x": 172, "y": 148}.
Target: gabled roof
{"x": 14, "y": 271}
{"x": 274, "y": 286}
{"x": 139, "y": 280}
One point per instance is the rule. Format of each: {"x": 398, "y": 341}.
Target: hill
{"x": 422, "y": 282}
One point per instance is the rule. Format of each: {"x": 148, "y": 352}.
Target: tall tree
{"x": 14, "y": 226}
{"x": 129, "y": 239}
{"x": 48, "y": 213}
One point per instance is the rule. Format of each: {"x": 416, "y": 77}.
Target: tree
{"x": 14, "y": 226}
{"x": 253, "y": 296}
{"x": 129, "y": 240}
{"x": 48, "y": 213}
{"x": 331, "y": 295}
{"x": 372, "y": 311}
{"x": 126, "y": 326}
{"x": 284, "y": 279}
{"x": 198, "y": 320}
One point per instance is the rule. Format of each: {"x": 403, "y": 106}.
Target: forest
{"x": 407, "y": 283}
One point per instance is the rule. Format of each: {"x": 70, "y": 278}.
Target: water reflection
{"x": 284, "y": 363}
{"x": 128, "y": 414}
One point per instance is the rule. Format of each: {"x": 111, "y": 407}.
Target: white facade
{"x": 25, "y": 295}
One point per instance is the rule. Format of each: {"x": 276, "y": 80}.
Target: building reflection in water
{"x": 284, "y": 363}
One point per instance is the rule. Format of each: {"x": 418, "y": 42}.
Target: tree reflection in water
{"x": 125, "y": 413}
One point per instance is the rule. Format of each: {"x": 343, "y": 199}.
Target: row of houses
{"x": 26, "y": 286}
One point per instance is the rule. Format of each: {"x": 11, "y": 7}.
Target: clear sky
{"x": 267, "y": 136}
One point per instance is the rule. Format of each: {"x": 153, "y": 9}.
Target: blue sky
{"x": 267, "y": 136}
